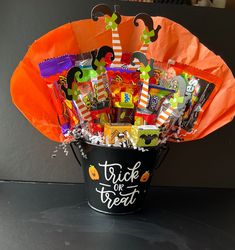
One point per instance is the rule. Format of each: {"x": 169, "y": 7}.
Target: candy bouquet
{"x": 123, "y": 82}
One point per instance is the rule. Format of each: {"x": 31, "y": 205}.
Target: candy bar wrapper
{"x": 123, "y": 111}
{"x": 95, "y": 128}
{"x": 96, "y": 89}
{"x": 120, "y": 91}
{"x": 113, "y": 131}
{"x": 144, "y": 118}
{"x": 60, "y": 107}
{"x": 123, "y": 115}
{"x": 86, "y": 94}
{"x": 123, "y": 75}
{"x": 51, "y": 68}
{"x": 145, "y": 135}
{"x": 101, "y": 116}
{"x": 54, "y": 67}
{"x": 54, "y": 71}
{"x": 79, "y": 87}
{"x": 159, "y": 76}
{"x": 198, "y": 89}
{"x": 200, "y": 92}
{"x": 170, "y": 128}
{"x": 157, "y": 95}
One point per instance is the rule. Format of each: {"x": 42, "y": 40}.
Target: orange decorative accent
{"x": 93, "y": 173}
{"x": 145, "y": 176}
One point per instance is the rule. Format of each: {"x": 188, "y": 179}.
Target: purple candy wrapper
{"x": 56, "y": 65}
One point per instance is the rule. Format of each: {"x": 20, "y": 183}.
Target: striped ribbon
{"x": 143, "y": 103}
{"x": 163, "y": 116}
{"x": 117, "y": 48}
{"x": 85, "y": 113}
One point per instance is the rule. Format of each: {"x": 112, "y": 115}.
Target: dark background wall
{"x": 25, "y": 153}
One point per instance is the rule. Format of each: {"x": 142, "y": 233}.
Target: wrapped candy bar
{"x": 145, "y": 117}
{"x": 99, "y": 118}
{"x": 123, "y": 111}
{"x": 157, "y": 95}
{"x": 145, "y": 135}
{"x": 199, "y": 96}
{"x": 54, "y": 71}
{"x": 116, "y": 130}
{"x": 124, "y": 101}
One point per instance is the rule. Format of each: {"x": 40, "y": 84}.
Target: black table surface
{"x": 42, "y": 216}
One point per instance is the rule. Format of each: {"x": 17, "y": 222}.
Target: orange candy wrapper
{"x": 174, "y": 42}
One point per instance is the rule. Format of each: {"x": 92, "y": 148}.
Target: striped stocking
{"x": 143, "y": 103}
{"x": 84, "y": 112}
{"x": 163, "y": 116}
{"x": 117, "y": 48}
{"x": 101, "y": 92}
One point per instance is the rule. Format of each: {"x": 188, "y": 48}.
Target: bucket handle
{"x": 73, "y": 150}
{"x": 163, "y": 151}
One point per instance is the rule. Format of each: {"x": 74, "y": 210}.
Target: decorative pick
{"x": 74, "y": 92}
{"x": 100, "y": 67}
{"x": 144, "y": 72}
{"x": 147, "y": 35}
{"x": 110, "y": 22}
{"x": 176, "y": 100}
{"x": 148, "y": 21}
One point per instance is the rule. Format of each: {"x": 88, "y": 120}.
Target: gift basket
{"x": 117, "y": 89}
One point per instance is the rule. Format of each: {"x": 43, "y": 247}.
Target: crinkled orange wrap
{"x": 29, "y": 90}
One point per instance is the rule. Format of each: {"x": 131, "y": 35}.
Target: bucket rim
{"x": 147, "y": 149}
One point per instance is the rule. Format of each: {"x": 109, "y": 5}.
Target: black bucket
{"x": 117, "y": 179}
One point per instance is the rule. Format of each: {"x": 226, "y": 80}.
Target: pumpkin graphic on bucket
{"x": 93, "y": 173}
{"x": 145, "y": 176}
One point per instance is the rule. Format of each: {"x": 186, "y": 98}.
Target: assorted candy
{"x": 111, "y": 97}
{"x": 105, "y": 102}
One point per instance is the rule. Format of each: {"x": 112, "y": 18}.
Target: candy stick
{"x": 143, "y": 50}
{"x": 85, "y": 113}
{"x": 149, "y": 34}
{"x": 175, "y": 101}
{"x": 117, "y": 49}
{"x": 98, "y": 64}
{"x": 163, "y": 116}
{"x": 72, "y": 92}
{"x": 112, "y": 22}
{"x": 143, "y": 103}
{"x": 101, "y": 92}
{"x": 144, "y": 76}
